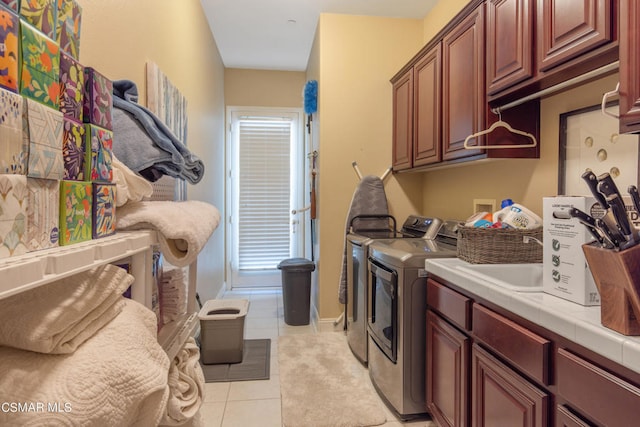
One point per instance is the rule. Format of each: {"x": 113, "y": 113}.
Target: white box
{"x": 564, "y": 269}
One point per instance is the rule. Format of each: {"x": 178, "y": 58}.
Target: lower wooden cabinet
{"x": 447, "y": 386}
{"x": 566, "y": 418}
{"x": 502, "y": 397}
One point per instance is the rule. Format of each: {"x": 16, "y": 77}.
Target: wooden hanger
{"x": 493, "y": 127}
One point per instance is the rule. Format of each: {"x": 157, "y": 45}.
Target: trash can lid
{"x": 297, "y": 264}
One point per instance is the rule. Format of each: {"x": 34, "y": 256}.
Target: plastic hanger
{"x": 493, "y": 127}
{"x": 606, "y": 97}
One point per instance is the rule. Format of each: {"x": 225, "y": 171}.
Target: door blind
{"x": 264, "y": 193}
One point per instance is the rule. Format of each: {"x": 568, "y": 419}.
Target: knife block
{"x": 617, "y": 277}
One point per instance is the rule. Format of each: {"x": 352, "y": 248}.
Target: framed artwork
{"x": 590, "y": 140}
{"x": 169, "y": 105}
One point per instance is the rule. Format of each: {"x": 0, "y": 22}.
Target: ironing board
{"x": 369, "y": 198}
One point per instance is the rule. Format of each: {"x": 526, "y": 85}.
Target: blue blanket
{"x": 146, "y": 145}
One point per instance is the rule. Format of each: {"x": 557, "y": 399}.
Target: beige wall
{"x": 439, "y": 16}
{"x": 120, "y": 36}
{"x": 263, "y": 88}
{"x": 356, "y": 56}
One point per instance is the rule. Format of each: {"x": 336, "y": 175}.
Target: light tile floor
{"x": 257, "y": 403}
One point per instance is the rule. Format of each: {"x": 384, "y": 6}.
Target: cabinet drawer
{"x": 528, "y": 351}
{"x": 450, "y": 304}
{"x": 606, "y": 398}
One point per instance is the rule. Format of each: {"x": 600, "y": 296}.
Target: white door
{"x": 266, "y": 178}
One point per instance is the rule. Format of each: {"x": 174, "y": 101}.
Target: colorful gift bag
{"x": 40, "y": 72}
{"x": 43, "y": 129}
{"x": 43, "y": 213}
{"x": 13, "y": 151}
{"x": 14, "y": 201}
{"x": 71, "y": 87}
{"x": 68, "y": 27}
{"x": 9, "y": 27}
{"x": 42, "y": 14}
{"x": 73, "y": 150}
{"x": 75, "y": 211}
{"x": 98, "y": 155}
{"x": 98, "y": 99}
{"x": 104, "y": 210}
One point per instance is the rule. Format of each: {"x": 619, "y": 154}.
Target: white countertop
{"x": 573, "y": 321}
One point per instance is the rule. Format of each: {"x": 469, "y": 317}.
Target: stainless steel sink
{"x": 516, "y": 277}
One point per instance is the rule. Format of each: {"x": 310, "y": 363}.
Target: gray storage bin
{"x": 296, "y": 290}
{"x": 222, "y": 330}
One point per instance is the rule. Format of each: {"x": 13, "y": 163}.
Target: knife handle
{"x": 592, "y": 182}
{"x": 602, "y": 226}
{"x": 635, "y": 196}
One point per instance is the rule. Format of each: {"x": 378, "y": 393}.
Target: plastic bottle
{"x": 505, "y": 207}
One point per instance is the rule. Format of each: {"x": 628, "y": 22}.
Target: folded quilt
{"x": 186, "y": 386}
{"x": 142, "y": 141}
{"x": 64, "y": 314}
{"x": 116, "y": 378}
{"x": 184, "y": 227}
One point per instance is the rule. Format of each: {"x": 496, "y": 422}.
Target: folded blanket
{"x": 141, "y": 140}
{"x": 63, "y": 314}
{"x": 184, "y": 227}
{"x": 130, "y": 187}
{"x": 186, "y": 386}
{"x": 116, "y": 378}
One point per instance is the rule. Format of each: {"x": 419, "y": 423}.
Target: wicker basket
{"x": 498, "y": 245}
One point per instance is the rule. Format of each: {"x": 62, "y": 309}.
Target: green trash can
{"x": 296, "y": 290}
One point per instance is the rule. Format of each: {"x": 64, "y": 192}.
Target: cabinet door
{"x": 427, "y": 105}
{"x": 629, "y": 66}
{"x": 566, "y": 29}
{"x": 447, "y": 373}
{"x": 501, "y": 397}
{"x": 463, "y": 85}
{"x": 509, "y": 43}
{"x": 403, "y": 122}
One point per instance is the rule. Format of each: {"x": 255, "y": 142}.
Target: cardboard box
{"x": 76, "y": 198}
{"x": 42, "y": 14}
{"x": 73, "y": 150}
{"x": 40, "y": 66}
{"x": 14, "y": 201}
{"x": 98, "y": 156}
{"x": 43, "y": 213}
{"x": 564, "y": 268}
{"x": 98, "y": 99}
{"x": 68, "y": 27}
{"x": 71, "y": 87}
{"x": 104, "y": 210}
{"x": 42, "y": 130}
{"x": 13, "y": 151}
{"x": 10, "y": 52}
{"x": 12, "y": 5}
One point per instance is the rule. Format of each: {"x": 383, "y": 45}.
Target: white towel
{"x": 60, "y": 316}
{"x": 186, "y": 386}
{"x": 116, "y": 378}
{"x": 184, "y": 227}
{"x": 130, "y": 187}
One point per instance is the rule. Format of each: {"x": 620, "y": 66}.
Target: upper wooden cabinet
{"x": 567, "y": 29}
{"x": 532, "y": 45}
{"x": 464, "y": 102}
{"x": 629, "y": 66}
{"x": 509, "y": 43}
{"x": 403, "y": 122}
{"x": 427, "y": 107}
